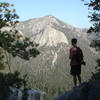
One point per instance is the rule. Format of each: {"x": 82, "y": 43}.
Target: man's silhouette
{"x": 76, "y": 57}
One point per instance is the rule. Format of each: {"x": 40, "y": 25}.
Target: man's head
{"x": 74, "y": 41}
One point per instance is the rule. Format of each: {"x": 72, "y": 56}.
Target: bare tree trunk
{"x": 8, "y": 61}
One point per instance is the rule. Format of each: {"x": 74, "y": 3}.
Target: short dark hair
{"x": 74, "y": 40}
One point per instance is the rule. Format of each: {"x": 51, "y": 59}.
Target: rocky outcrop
{"x": 86, "y": 91}
{"x": 20, "y": 94}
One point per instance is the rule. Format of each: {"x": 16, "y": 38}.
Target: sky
{"x": 72, "y": 12}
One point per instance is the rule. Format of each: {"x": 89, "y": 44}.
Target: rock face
{"x": 86, "y": 91}
{"x": 48, "y": 30}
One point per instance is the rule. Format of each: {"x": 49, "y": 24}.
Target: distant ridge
{"x": 47, "y": 30}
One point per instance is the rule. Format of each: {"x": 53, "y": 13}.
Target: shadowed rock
{"x": 86, "y": 91}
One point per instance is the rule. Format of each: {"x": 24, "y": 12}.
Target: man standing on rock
{"x": 76, "y": 57}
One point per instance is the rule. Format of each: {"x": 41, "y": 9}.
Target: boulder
{"x": 86, "y": 91}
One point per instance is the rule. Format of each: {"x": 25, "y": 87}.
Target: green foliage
{"x": 94, "y": 9}
{"x": 7, "y": 15}
{"x": 10, "y": 39}
{"x": 96, "y": 76}
{"x": 10, "y": 79}
{"x": 94, "y": 15}
{"x": 13, "y": 43}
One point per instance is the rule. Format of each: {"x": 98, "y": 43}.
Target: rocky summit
{"x": 49, "y": 31}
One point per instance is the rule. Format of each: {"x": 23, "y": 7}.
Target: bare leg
{"x": 79, "y": 79}
{"x": 75, "y": 80}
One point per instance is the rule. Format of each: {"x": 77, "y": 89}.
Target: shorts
{"x": 75, "y": 70}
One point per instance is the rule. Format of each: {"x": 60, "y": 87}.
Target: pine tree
{"x": 12, "y": 43}
{"x": 10, "y": 40}
{"x": 94, "y": 15}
